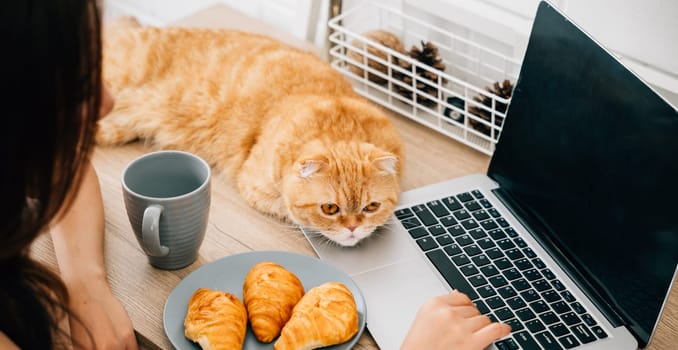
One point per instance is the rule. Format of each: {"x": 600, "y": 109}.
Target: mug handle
{"x": 150, "y": 231}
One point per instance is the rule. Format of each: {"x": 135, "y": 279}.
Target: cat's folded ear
{"x": 308, "y": 167}
{"x": 387, "y": 163}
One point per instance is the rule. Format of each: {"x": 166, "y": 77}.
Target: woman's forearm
{"x": 78, "y": 235}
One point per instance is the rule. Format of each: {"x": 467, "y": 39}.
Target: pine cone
{"x": 429, "y": 56}
{"x": 503, "y": 90}
{"x": 384, "y": 38}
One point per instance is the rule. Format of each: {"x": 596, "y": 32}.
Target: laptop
{"x": 572, "y": 235}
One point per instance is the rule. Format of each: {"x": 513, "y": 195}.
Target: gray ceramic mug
{"x": 167, "y": 197}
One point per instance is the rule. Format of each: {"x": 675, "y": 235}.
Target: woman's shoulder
{"x": 6, "y": 343}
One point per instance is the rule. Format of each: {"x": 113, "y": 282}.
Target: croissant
{"x": 270, "y": 293}
{"x": 326, "y": 315}
{"x": 216, "y": 320}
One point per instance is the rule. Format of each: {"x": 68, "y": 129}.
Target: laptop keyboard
{"x": 478, "y": 253}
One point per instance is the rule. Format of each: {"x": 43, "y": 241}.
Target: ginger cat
{"x": 287, "y": 128}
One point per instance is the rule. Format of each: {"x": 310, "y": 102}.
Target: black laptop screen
{"x": 590, "y": 153}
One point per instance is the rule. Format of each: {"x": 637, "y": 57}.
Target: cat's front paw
{"x": 111, "y": 134}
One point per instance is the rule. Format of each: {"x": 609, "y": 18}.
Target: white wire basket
{"x": 469, "y": 69}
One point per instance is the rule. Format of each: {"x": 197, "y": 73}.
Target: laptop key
{"x": 504, "y": 314}
{"x": 468, "y": 270}
{"x": 480, "y": 215}
{"x": 503, "y": 263}
{"x": 520, "y": 242}
{"x": 469, "y": 224}
{"x": 437, "y": 208}
{"x": 497, "y": 234}
{"x": 427, "y": 243}
{"x": 523, "y": 264}
{"x": 477, "y": 194}
{"x": 505, "y": 244}
{"x": 489, "y": 270}
{"x": 515, "y": 254}
{"x": 539, "y": 306}
{"x": 461, "y": 260}
{"x": 511, "y": 274}
{"x": 452, "y": 203}
{"x": 558, "y": 285}
{"x": 550, "y": 295}
{"x": 465, "y": 197}
{"x": 502, "y": 222}
{"x": 583, "y": 334}
{"x": 568, "y": 296}
{"x": 493, "y": 253}
{"x": 472, "y": 250}
{"x": 487, "y": 243}
{"x": 506, "y": 344}
{"x": 425, "y": 215}
{"x": 403, "y": 213}
{"x": 495, "y": 302}
{"x": 437, "y": 229}
{"x": 561, "y": 307}
{"x": 529, "y": 253}
{"x": 599, "y": 332}
{"x": 418, "y": 232}
{"x": 526, "y": 341}
{"x": 570, "y": 318}
{"x": 520, "y": 284}
{"x": 588, "y": 320}
{"x": 515, "y": 324}
{"x": 532, "y": 275}
{"x": 452, "y": 249}
{"x": 498, "y": 281}
{"x": 547, "y": 341}
{"x": 516, "y": 303}
{"x": 525, "y": 314}
{"x": 529, "y": 295}
{"x": 541, "y": 285}
{"x": 507, "y": 292}
{"x": 450, "y": 273}
{"x": 486, "y": 291}
{"x": 448, "y": 221}
{"x": 538, "y": 263}
{"x": 548, "y": 274}
{"x": 534, "y": 326}
{"x": 511, "y": 232}
{"x": 559, "y": 329}
{"x": 578, "y": 308}
{"x": 480, "y": 305}
{"x": 480, "y": 260}
{"x": 569, "y": 342}
{"x": 456, "y": 230}
{"x": 493, "y": 212}
{"x": 485, "y": 203}
{"x": 548, "y": 317}
{"x": 472, "y": 206}
{"x": 464, "y": 240}
{"x": 488, "y": 224}
{"x": 461, "y": 214}
{"x": 410, "y": 222}
{"x": 444, "y": 240}
{"x": 477, "y": 233}
{"x": 477, "y": 280}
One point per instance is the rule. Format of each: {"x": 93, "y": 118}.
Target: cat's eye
{"x": 372, "y": 207}
{"x": 330, "y": 208}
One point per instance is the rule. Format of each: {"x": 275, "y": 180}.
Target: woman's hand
{"x": 107, "y": 324}
{"x": 452, "y": 322}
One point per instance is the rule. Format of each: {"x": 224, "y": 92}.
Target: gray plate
{"x": 228, "y": 274}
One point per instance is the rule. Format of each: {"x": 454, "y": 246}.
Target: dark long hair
{"x": 50, "y": 84}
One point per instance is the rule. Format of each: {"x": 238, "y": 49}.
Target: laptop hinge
{"x": 532, "y": 224}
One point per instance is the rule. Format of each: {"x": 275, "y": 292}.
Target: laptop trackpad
{"x": 393, "y": 295}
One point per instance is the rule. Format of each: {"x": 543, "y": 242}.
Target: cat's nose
{"x": 351, "y": 228}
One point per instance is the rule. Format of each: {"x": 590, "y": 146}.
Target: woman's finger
{"x": 477, "y": 322}
{"x": 486, "y": 335}
{"x": 456, "y": 298}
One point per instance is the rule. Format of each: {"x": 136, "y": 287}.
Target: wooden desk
{"x": 235, "y": 227}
